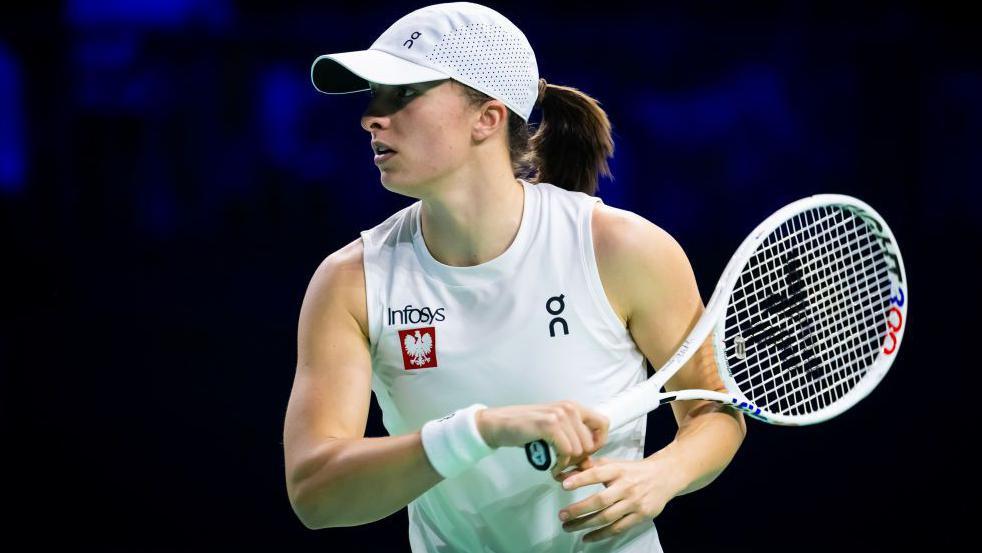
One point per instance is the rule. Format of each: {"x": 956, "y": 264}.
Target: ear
{"x": 492, "y": 117}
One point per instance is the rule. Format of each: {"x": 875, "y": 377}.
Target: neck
{"x": 474, "y": 221}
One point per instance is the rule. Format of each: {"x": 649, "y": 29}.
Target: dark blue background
{"x": 169, "y": 180}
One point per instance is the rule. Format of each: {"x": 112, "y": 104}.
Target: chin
{"x": 394, "y": 183}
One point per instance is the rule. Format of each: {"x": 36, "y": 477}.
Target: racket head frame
{"x": 897, "y": 314}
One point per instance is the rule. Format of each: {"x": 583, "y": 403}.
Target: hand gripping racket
{"x": 806, "y": 320}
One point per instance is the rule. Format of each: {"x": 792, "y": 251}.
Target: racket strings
{"x": 853, "y": 338}
{"x": 778, "y": 379}
{"x": 772, "y": 247}
{"x": 847, "y": 342}
{"x": 809, "y": 296}
{"x": 739, "y": 293}
{"x": 839, "y": 307}
{"x": 816, "y": 264}
{"x": 781, "y": 340}
{"x": 845, "y": 362}
{"x": 800, "y": 385}
{"x": 806, "y": 388}
{"x": 809, "y": 305}
{"x": 760, "y": 388}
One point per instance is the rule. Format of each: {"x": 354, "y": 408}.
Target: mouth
{"x": 379, "y": 158}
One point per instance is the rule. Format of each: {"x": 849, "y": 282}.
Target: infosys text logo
{"x": 415, "y": 315}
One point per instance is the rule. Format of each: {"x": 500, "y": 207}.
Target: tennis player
{"x": 490, "y": 313}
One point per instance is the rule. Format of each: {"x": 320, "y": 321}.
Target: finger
{"x": 577, "y": 469}
{"x": 575, "y": 439}
{"x": 599, "y": 438}
{"x": 573, "y": 450}
{"x": 596, "y": 502}
{"x": 583, "y": 430}
{"x": 585, "y": 435}
{"x": 575, "y": 429}
{"x": 601, "y": 473}
{"x": 618, "y": 527}
{"x": 560, "y": 476}
{"x": 560, "y": 443}
{"x": 562, "y": 460}
{"x": 598, "y": 423}
{"x": 599, "y": 519}
{"x": 566, "y": 474}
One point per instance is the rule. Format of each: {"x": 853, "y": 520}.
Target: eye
{"x": 394, "y": 93}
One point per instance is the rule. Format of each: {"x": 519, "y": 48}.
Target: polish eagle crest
{"x": 419, "y": 347}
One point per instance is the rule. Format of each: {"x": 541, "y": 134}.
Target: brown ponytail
{"x": 571, "y": 144}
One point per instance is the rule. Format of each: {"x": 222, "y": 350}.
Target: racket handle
{"x": 624, "y": 407}
{"x": 540, "y": 454}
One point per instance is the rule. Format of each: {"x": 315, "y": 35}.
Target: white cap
{"x": 467, "y": 42}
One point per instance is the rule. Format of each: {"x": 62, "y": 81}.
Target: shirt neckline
{"x": 489, "y": 271}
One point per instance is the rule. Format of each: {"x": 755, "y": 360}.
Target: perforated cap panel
{"x": 492, "y": 60}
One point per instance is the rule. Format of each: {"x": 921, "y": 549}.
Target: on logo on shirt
{"x": 418, "y": 347}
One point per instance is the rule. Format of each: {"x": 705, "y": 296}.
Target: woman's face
{"x": 428, "y": 125}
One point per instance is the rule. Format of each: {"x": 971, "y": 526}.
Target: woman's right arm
{"x": 337, "y": 477}
{"x": 334, "y": 475}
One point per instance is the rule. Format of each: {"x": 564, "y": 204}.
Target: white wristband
{"x": 453, "y": 443}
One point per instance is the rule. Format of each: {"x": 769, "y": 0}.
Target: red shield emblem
{"x": 418, "y": 347}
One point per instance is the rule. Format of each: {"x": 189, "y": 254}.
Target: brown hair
{"x": 571, "y": 144}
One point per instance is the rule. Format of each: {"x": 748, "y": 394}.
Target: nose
{"x": 375, "y": 116}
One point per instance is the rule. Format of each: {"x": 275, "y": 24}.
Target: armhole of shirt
{"x": 592, "y": 272}
{"x": 371, "y": 291}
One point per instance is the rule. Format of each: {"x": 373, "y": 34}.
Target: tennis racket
{"x": 806, "y": 320}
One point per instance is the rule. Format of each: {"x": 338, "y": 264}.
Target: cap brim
{"x": 352, "y": 71}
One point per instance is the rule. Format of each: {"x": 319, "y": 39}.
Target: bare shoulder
{"x": 341, "y": 275}
{"x": 635, "y": 257}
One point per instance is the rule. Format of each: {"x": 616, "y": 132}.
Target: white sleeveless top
{"x": 532, "y": 325}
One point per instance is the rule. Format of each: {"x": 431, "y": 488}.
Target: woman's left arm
{"x": 648, "y": 276}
